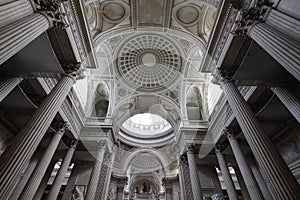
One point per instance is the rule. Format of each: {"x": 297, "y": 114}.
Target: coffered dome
{"x": 148, "y": 62}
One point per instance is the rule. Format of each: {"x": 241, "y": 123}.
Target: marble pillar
{"x": 242, "y": 184}
{"x": 72, "y": 181}
{"x": 243, "y": 166}
{"x": 7, "y": 84}
{"x": 289, "y": 100}
{"x": 259, "y": 178}
{"x": 58, "y": 181}
{"x": 14, "y": 10}
{"x": 195, "y": 181}
{"x": 226, "y": 175}
{"x": 26, "y": 175}
{"x": 41, "y": 189}
{"x": 120, "y": 192}
{"x": 93, "y": 182}
{"x": 37, "y": 176}
{"x": 182, "y": 165}
{"x": 21, "y": 149}
{"x": 216, "y": 183}
{"x": 169, "y": 191}
{"x": 17, "y": 35}
{"x": 110, "y": 162}
{"x": 281, "y": 47}
{"x": 282, "y": 183}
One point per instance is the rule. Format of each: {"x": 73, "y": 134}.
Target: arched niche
{"x": 194, "y": 103}
{"x": 101, "y": 100}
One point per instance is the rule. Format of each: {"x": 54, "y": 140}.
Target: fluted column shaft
{"x": 26, "y": 176}
{"x": 71, "y": 182}
{"x": 195, "y": 182}
{"x": 94, "y": 178}
{"x": 226, "y": 176}
{"x": 58, "y": 181}
{"x": 242, "y": 184}
{"x": 108, "y": 176}
{"x": 259, "y": 179}
{"x": 181, "y": 180}
{"x": 284, "y": 23}
{"x": 216, "y": 183}
{"x": 120, "y": 191}
{"x": 281, "y": 47}
{"x": 245, "y": 170}
{"x": 7, "y": 84}
{"x": 282, "y": 182}
{"x": 41, "y": 189}
{"x": 37, "y": 176}
{"x": 25, "y": 143}
{"x": 289, "y": 100}
{"x": 14, "y": 10}
{"x": 17, "y": 35}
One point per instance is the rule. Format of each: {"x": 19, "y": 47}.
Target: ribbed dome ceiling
{"x": 148, "y": 62}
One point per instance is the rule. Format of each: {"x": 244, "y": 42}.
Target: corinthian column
{"x": 94, "y": 178}
{"x": 58, "y": 181}
{"x": 185, "y": 185}
{"x": 21, "y": 149}
{"x": 7, "y": 84}
{"x": 244, "y": 168}
{"x": 281, "y": 47}
{"x": 195, "y": 182}
{"x": 289, "y": 100}
{"x": 226, "y": 175}
{"x": 283, "y": 184}
{"x": 72, "y": 181}
{"x": 17, "y": 35}
{"x": 37, "y": 176}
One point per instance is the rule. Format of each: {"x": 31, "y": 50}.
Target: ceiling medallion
{"x": 148, "y": 62}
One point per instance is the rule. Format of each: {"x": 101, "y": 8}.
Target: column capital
{"x": 190, "y": 148}
{"x": 61, "y": 127}
{"x": 169, "y": 189}
{"x": 74, "y": 70}
{"x": 101, "y": 144}
{"x": 219, "y": 148}
{"x": 251, "y": 16}
{"x": 183, "y": 160}
{"x": 51, "y": 10}
{"x": 72, "y": 143}
{"x": 231, "y": 132}
{"x": 224, "y": 75}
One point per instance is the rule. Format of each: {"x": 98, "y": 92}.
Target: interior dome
{"x": 148, "y": 62}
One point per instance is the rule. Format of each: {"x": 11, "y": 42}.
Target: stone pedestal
{"x": 282, "y": 183}
{"x": 281, "y": 47}
{"x": 195, "y": 182}
{"x": 289, "y": 100}
{"x": 37, "y": 176}
{"x": 93, "y": 182}
{"x": 7, "y": 84}
{"x": 54, "y": 191}
{"x": 226, "y": 176}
